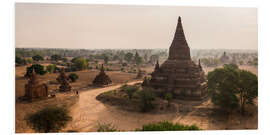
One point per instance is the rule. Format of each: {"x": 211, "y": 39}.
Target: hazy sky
{"x": 115, "y": 26}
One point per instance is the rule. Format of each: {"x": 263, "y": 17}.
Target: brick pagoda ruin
{"x": 102, "y": 79}
{"x": 63, "y": 80}
{"x": 33, "y": 89}
{"x": 179, "y": 75}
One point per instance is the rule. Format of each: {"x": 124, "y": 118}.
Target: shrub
{"x": 49, "y": 119}
{"x": 124, "y": 64}
{"x": 169, "y": 97}
{"x": 106, "y": 128}
{"x": 129, "y": 90}
{"x": 73, "y": 77}
{"x": 146, "y": 97}
{"x": 51, "y": 68}
{"x": 167, "y": 126}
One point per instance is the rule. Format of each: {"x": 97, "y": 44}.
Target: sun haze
{"x": 120, "y": 26}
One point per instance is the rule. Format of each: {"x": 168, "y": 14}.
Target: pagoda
{"x": 102, "y": 78}
{"x": 179, "y": 75}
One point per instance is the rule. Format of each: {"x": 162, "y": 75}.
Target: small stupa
{"x": 224, "y": 58}
{"x": 64, "y": 81}
{"x": 102, "y": 79}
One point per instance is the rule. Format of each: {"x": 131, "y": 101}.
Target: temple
{"x": 34, "y": 89}
{"x": 179, "y": 75}
{"x": 63, "y": 81}
{"x": 102, "y": 79}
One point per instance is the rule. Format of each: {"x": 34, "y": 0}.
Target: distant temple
{"x": 179, "y": 75}
{"x": 64, "y": 81}
{"x": 224, "y": 58}
{"x": 102, "y": 79}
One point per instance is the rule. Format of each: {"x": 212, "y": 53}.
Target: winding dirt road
{"x": 88, "y": 112}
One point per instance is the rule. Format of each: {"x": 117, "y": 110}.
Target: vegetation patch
{"x": 49, "y": 119}
{"x": 135, "y": 98}
{"x": 167, "y": 126}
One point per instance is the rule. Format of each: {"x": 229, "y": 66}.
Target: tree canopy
{"x": 37, "y": 58}
{"x": 231, "y": 87}
{"x": 56, "y": 57}
{"x": 128, "y": 57}
{"x": 49, "y": 119}
{"x": 39, "y": 69}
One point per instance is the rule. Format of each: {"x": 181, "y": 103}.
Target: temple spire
{"x": 179, "y": 49}
{"x": 200, "y": 63}
{"x": 102, "y": 68}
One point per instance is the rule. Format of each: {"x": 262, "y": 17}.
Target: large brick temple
{"x": 179, "y": 75}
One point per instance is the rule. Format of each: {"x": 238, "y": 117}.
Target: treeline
{"x": 209, "y": 58}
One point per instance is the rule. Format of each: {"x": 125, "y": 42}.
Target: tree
{"x": 222, "y": 88}
{"x": 231, "y": 87}
{"x": 138, "y": 59}
{"x": 39, "y": 69}
{"x": 29, "y": 60}
{"x": 146, "y": 97}
{"x": 73, "y": 77}
{"x": 56, "y": 57}
{"x": 169, "y": 97}
{"x": 145, "y": 57}
{"x": 154, "y": 58}
{"x": 128, "y": 56}
{"x": 37, "y": 58}
{"x": 248, "y": 89}
{"x": 19, "y": 60}
{"x": 49, "y": 119}
{"x": 130, "y": 90}
{"x": 80, "y": 63}
{"x": 105, "y": 58}
{"x": 51, "y": 68}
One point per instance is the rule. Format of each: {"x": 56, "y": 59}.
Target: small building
{"x": 33, "y": 89}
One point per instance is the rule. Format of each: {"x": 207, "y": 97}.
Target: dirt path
{"x": 88, "y": 112}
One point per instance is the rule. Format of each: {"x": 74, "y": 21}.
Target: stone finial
{"x": 102, "y": 68}
{"x": 157, "y": 66}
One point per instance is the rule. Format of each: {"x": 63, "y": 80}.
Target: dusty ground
{"x": 85, "y": 79}
{"x": 87, "y": 112}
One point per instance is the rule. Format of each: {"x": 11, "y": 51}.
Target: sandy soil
{"x": 88, "y": 112}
